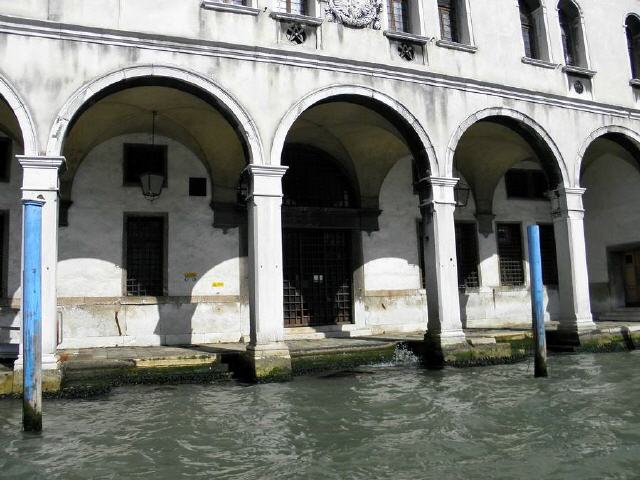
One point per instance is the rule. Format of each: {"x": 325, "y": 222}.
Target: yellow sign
{"x": 217, "y": 284}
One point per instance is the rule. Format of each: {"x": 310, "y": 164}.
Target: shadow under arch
{"x": 541, "y": 142}
{"x": 22, "y": 114}
{"x": 407, "y": 124}
{"x": 623, "y": 136}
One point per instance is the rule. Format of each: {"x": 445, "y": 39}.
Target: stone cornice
{"x": 58, "y": 31}
{"x": 406, "y": 37}
{"x": 293, "y": 18}
{"x": 40, "y": 162}
{"x": 229, "y": 7}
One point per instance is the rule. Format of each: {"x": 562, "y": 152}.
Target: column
{"x": 568, "y": 222}
{"x": 441, "y": 271}
{"x": 40, "y": 182}
{"x": 267, "y": 353}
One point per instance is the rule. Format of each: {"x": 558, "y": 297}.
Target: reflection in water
{"x": 374, "y": 422}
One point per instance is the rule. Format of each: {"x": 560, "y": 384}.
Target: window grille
{"x": 298, "y": 7}
{"x": 5, "y": 158}
{"x": 510, "y": 254}
{"x": 399, "y": 15}
{"x": 314, "y": 180}
{"x": 633, "y": 44}
{"x": 467, "y": 255}
{"x": 528, "y": 27}
{"x": 143, "y": 158}
{"x": 448, "y": 13}
{"x": 548, "y": 255}
{"x": 528, "y": 184}
{"x": 145, "y": 246}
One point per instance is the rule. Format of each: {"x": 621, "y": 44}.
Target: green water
{"x": 397, "y": 422}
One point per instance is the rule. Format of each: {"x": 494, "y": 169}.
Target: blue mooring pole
{"x": 32, "y": 316}
{"x": 537, "y": 301}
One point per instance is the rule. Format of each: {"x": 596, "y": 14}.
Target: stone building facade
{"x": 329, "y": 168}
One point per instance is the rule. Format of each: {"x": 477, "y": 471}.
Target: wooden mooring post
{"x": 32, "y": 316}
{"x": 537, "y": 301}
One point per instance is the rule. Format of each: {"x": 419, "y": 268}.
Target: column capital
{"x": 40, "y": 173}
{"x": 567, "y": 202}
{"x": 266, "y": 180}
{"x": 442, "y": 191}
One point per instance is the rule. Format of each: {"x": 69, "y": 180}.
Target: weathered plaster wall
{"x": 91, "y": 275}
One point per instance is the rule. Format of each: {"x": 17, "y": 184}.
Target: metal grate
{"x": 510, "y": 254}
{"x": 467, "y": 253}
{"x": 317, "y": 277}
{"x": 313, "y": 180}
{"x": 145, "y": 256}
{"x": 548, "y": 255}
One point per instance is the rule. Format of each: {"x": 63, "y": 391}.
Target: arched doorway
{"x": 317, "y": 239}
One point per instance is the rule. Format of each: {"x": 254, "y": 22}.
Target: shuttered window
{"x": 298, "y": 7}
{"x": 399, "y": 15}
{"x": 527, "y": 24}
{"x": 633, "y": 43}
{"x": 145, "y": 255}
{"x": 510, "y": 254}
{"x": 548, "y": 255}
{"x": 448, "y": 13}
{"x": 467, "y": 255}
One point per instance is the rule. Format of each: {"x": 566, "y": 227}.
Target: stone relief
{"x": 355, "y": 13}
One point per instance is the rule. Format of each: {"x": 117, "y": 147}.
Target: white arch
{"x": 597, "y": 134}
{"x": 247, "y": 126}
{"x": 312, "y": 98}
{"x": 513, "y": 114}
{"x": 21, "y": 111}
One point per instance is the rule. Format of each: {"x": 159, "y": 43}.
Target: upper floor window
{"x": 139, "y": 158}
{"x": 528, "y": 26}
{"x": 298, "y": 7}
{"x": 448, "y": 13}
{"x": 632, "y": 27}
{"x": 526, "y": 184}
{"x": 572, "y": 35}
{"x": 399, "y": 15}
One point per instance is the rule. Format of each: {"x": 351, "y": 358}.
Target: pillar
{"x": 441, "y": 271}
{"x": 573, "y": 288}
{"x": 267, "y": 353}
{"x": 40, "y": 182}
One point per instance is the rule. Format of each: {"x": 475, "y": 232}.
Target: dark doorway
{"x": 317, "y": 241}
{"x": 145, "y": 255}
{"x": 631, "y": 274}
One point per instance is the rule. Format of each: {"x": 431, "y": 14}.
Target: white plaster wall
{"x": 91, "y": 254}
{"x": 393, "y": 290}
{"x": 612, "y": 219}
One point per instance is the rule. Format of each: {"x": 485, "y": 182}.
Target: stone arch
{"x": 23, "y": 115}
{"x": 246, "y": 127}
{"x": 600, "y": 132}
{"x": 559, "y": 167}
{"x": 419, "y": 142}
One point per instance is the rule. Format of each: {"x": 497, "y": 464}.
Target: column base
{"x": 51, "y": 374}
{"x": 437, "y": 344}
{"x": 269, "y": 363}
{"x": 578, "y": 326}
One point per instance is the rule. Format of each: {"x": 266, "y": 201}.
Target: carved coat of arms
{"x": 355, "y": 13}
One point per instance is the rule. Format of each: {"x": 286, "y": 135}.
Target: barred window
{"x": 448, "y": 13}
{"x": 145, "y": 255}
{"x": 510, "y": 254}
{"x": 399, "y": 15}
{"x": 467, "y": 254}
{"x": 298, "y": 7}
{"x": 528, "y": 26}
{"x": 548, "y": 255}
{"x": 633, "y": 43}
{"x": 530, "y": 184}
{"x": 5, "y": 158}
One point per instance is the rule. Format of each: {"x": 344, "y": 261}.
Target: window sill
{"x": 294, "y": 18}
{"x": 579, "y": 71}
{"x": 229, "y": 7}
{"x": 635, "y": 82}
{"x": 405, "y": 37}
{"x": 536, "y": 62}
{"x": 457, "y": 46}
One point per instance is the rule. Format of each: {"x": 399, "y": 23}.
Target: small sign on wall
{"x": 217, "y": 284}
{"x": 190, "y": 276}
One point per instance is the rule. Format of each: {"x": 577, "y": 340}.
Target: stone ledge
{"x": 457, "y": 46}
{"x": 293, "y": 18}
{"x": 229, "y": 7}
{"x": 540, "y": 63}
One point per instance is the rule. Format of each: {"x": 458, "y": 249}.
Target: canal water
{"x": 389, "y": 421}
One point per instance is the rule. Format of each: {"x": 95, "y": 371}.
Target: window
{"x": 526, "y": 184}
{"x": 4, "y": 251}
{"x": 5, "y": 158}
{"x": 571, "y": 33}
{"x": 467, "y": 254}
{"x": 145, "y": 255}
{"x": 399, "y": 15}
{"x": 510, "y": 254}
{"x": 632, "y": 27}
{"x": 548, "y": 255}
{"x": 143, "y": 158}
{"x": 298, "y": 7}
{"x": 448, "y": 13}
{"x": 528, "y": 26}
{"x": 197, "y": 187}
